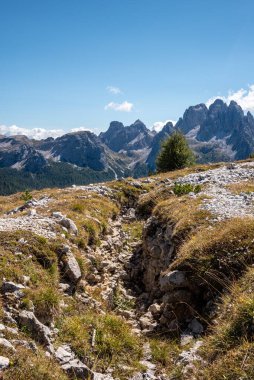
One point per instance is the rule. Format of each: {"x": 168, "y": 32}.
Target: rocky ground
{"x": 129, "y": 274}
{"x": 222, "y": 202}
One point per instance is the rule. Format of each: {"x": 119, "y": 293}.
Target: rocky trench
{"x": 168, "y": 301}
{"x": 164, "y": 303}
{"x": 133, "y": 282}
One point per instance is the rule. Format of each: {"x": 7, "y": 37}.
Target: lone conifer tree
{"x": 174, "y": 154}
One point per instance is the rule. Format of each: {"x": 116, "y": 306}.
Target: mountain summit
{"x": 134, "y": 137}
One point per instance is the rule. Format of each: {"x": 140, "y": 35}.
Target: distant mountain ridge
{"x": 219, "y": 133}
{"x": 126, "y": 139}
{"x": 222, "y": 132}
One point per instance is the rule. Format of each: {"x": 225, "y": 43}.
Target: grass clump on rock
{"x": 114, "y": 343}
{"x": 183, "y": 214}
{"x": 222, "y": 251}
{"x": 26, "y": 365}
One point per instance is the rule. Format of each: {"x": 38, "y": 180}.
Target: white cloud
{"x": 36, "y": 133}
{"x": 245, "y": 98}
{"x": 80, "y": 129}
{"x": 114, "y": 90}
{"x": 123, "y": 107}
{"x": 158, "y": 125}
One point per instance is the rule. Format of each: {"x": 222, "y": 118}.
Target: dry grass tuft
{"x": 184, "y": 214}
{"x": 229, "y": 347}
{"x": 25, "y": 365}
{"x": 226, "y": 248}
{"x": 241, "y": 187}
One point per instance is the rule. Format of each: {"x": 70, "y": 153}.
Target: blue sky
{"x": 59, "y": 59}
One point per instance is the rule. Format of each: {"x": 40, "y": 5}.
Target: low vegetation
{"x": 133, "y": 229}
{"x": 114, "y": 344}
{"x": 148, "y": 201}
{"x": 184, "y": 214}
{"x": 26, "y": 365}
{"x": 242, "y": 187}
{"x": 36, "y": 258}
{"x": 186, "y": 188}
{"x": 126, "y": 193}
{"x": 165, "y": 353}
{"x": 229, "y": 348}
{"x": 221, "y": 252}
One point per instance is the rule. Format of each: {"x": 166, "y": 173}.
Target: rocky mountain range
{"x": 219, "y": 133}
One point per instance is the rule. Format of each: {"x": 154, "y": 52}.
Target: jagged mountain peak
{"x": 192, "y": 117}
{"x": 250, "y": 117}
{"x": 138, "y": 122}
{"x": 116, "y": 125}
{"x": 168, "y": 127}
{"x": 133, "y": 137}
{"x": 218, "y": 103}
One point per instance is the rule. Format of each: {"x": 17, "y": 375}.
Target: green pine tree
{"x": 174, "y": 154}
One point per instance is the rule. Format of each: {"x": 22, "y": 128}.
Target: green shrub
{"x": 26, "y": 196}
{"x": 185, "y": 188}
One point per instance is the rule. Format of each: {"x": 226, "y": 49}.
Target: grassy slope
{"x": 219, "y": 256}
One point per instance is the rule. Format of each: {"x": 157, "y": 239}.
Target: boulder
{"x": 64, "y": 354}
{"x": 64, "y": 287}
{"x": 172, "y": 280}
{"x": 4, "y": 362}
{"x": 191, "y": 355}
{"x": 71, "y": 267}
{"x": 75, "y": 368}
{"x": 154, "y": 309}
{"x": 6, "y": 343}
{"x": 101, "y": 376}
{"x": 39, "y": 332}
{"x": 196, "y": 327}
{"x": 26, "y": 280}
{"x": 146, "y": 320}
{"x": 11, "y": 287}
{"x": 32, "y": 212}
{"x": 57, "y": 214}
{"x": 93, "y": 278}
{"x": 69, "y": 224}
